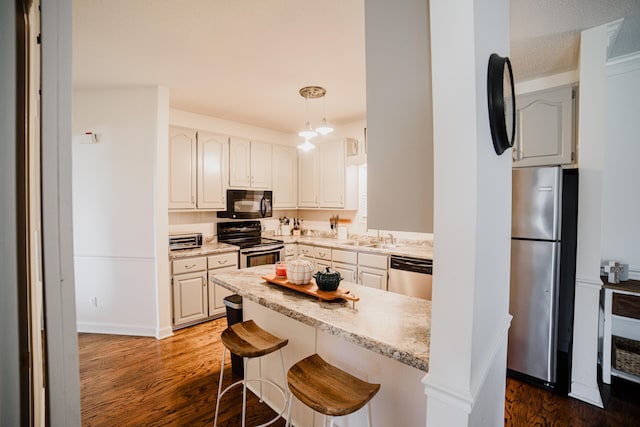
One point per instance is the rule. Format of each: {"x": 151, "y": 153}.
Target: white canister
{"x": 286, "y": 230}
{"x": 342, "y": 233}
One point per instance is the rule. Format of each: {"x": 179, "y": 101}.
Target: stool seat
{"x": 246, "y": 339}
{"x": 327, "y": 389}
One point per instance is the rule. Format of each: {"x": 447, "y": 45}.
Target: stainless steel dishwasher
{"x": 410, "y": 276}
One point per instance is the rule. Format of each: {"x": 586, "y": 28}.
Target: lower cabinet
{"x": 217, "y": 294}
{"x": 189, "y": 297}
{"x": 372, "y": 270}
{"x": 322, "y": 258}
{"x": 195, "y": 298}
{"x": 346, "y": 263}
{"x": 290, "y": 252}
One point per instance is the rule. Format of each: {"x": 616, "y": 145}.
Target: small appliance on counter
{"x": 184, "y": 240}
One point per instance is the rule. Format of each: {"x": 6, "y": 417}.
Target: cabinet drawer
{"x": 290, "y": 250}
{"x": 322, "y": 253}
{"x": 348, "y": 257}
{"x": 305, "y": 250}
{"x": 189, "y": 265}
{"x": 626, "y": 305}
{"x": 229, "y": 259}
{"x": 372, "y": 260}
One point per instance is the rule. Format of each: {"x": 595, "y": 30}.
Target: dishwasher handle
{"x": 415, "y": 265}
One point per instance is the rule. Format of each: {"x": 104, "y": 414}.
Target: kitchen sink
{"x": 381, "y": 245}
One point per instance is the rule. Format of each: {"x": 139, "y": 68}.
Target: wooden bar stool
{"x": 248, "y": 340}
{"x": 327, "y": 389}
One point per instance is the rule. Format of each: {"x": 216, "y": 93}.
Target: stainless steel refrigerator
{"x": 543, "y": 249}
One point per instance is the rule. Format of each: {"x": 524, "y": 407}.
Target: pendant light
{"x": 308, "y": 132}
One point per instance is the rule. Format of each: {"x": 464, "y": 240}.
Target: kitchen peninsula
{"x": 383, "y": 338}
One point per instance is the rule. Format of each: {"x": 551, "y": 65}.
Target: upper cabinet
{"x": 182, "y": 168}
{"x": 545, "y": 125}
{"x": 249, "y": 164}
{"x": 197, "y": 169}
{"x": 285, "y": 177}
{"x": 212, "y": 167}
{"x": 332, "y": 157}
{"x": 323, "y": 179}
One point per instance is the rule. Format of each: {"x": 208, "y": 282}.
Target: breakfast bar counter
{"x": 393, "y": 325}
{"x": 381, "y": 338}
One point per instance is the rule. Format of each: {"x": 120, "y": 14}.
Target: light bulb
{"x": 307, "y": 132}
{"x": 306, "y": 146}
{"x": 324, "y": 128}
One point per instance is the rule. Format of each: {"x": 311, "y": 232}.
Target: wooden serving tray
{"x": 312, "y": 289}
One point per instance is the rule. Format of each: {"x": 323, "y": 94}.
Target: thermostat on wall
{"x": 88, "y": 138}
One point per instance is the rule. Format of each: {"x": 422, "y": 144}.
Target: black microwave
{"x": 247, "y": 204}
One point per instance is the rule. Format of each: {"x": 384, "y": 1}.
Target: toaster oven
{"x": 185, "y": 241}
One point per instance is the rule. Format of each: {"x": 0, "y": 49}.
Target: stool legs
{"x": 244, "y": 381}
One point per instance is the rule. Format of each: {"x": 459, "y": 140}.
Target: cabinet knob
{"x": 189, "y": 267}
{"x": 224, "y": 261}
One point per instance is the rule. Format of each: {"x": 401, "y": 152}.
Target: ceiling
{"x": 246, "y": 60}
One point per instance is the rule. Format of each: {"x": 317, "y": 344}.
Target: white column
{"x": 472, "y": 203}
{"x": 593, "y": 49}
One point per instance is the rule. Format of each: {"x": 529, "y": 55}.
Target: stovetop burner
{"x": 246, "y": 234}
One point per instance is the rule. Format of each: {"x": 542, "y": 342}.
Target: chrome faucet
{"x": 392, "y": 239}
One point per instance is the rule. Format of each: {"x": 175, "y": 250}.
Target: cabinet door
{"x": 212, "y": 160}
{"x": 189, "y": 297}
{"x": 347, "y": 271}
{"x": 332, "y": 163}
{"x": 544, "y": 128}
{"x": 260, "y": 165}
{"x": 239, "y": 163}
{"x": 182, "y": 168}
{"x": 321, "y": 265}
{"x": 217, "y": 293}
{"x": 372, "y": 277}
{"x": 285, "y": 177}
{"x": 307, "y": 180}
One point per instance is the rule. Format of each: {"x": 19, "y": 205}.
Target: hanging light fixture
{"x": 306, "y": 145}
{"x": 308, "y": 132}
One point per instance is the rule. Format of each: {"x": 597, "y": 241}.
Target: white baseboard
{"x": 105, "y": 328}
{"x": 163, "y": 333}
{"x": 586, "y": 394}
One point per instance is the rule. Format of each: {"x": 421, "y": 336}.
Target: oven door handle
{"x": 262, "y": 250}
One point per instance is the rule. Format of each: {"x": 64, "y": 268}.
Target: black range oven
{"x": 254, "y": 249}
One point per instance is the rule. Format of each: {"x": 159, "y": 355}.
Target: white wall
{"x": 621, "y": 174}
{"x": 114, "y": 210}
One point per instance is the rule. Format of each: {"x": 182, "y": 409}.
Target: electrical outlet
{"x": 94, "y": 302}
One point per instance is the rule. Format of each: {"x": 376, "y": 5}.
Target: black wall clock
{"x": 499, "y": 78}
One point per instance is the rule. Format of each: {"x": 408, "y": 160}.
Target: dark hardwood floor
{"x": 140, "y": 381}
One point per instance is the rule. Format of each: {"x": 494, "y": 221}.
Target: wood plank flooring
{"x": 140, "y": 381}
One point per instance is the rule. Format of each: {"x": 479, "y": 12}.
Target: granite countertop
{"x": 416, "y": 251}
{"x": 393, "y": 325}
{"x": 206, "y": 249}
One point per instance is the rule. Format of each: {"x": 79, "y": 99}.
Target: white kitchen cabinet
{"x": 545, "y": 128}
{"x": 189, "y": 290}
{"x": 324, "y": 181}
{"x": 322, "y": 258}
{"x": 290, "y": 252}
{"x": 308, "y": 179}
{"x": 332, "y": 157}
{"x": 182, "y": 168}
{"x": 373, "y": 270}
{"x": 216, "y": 264}
{"x": 306, "y": 250}
{"x": 346, "y": 263}
{"x": 285, "y": 177}
{"x": 249, "y": 164}
{"x": 212, "y": 166}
